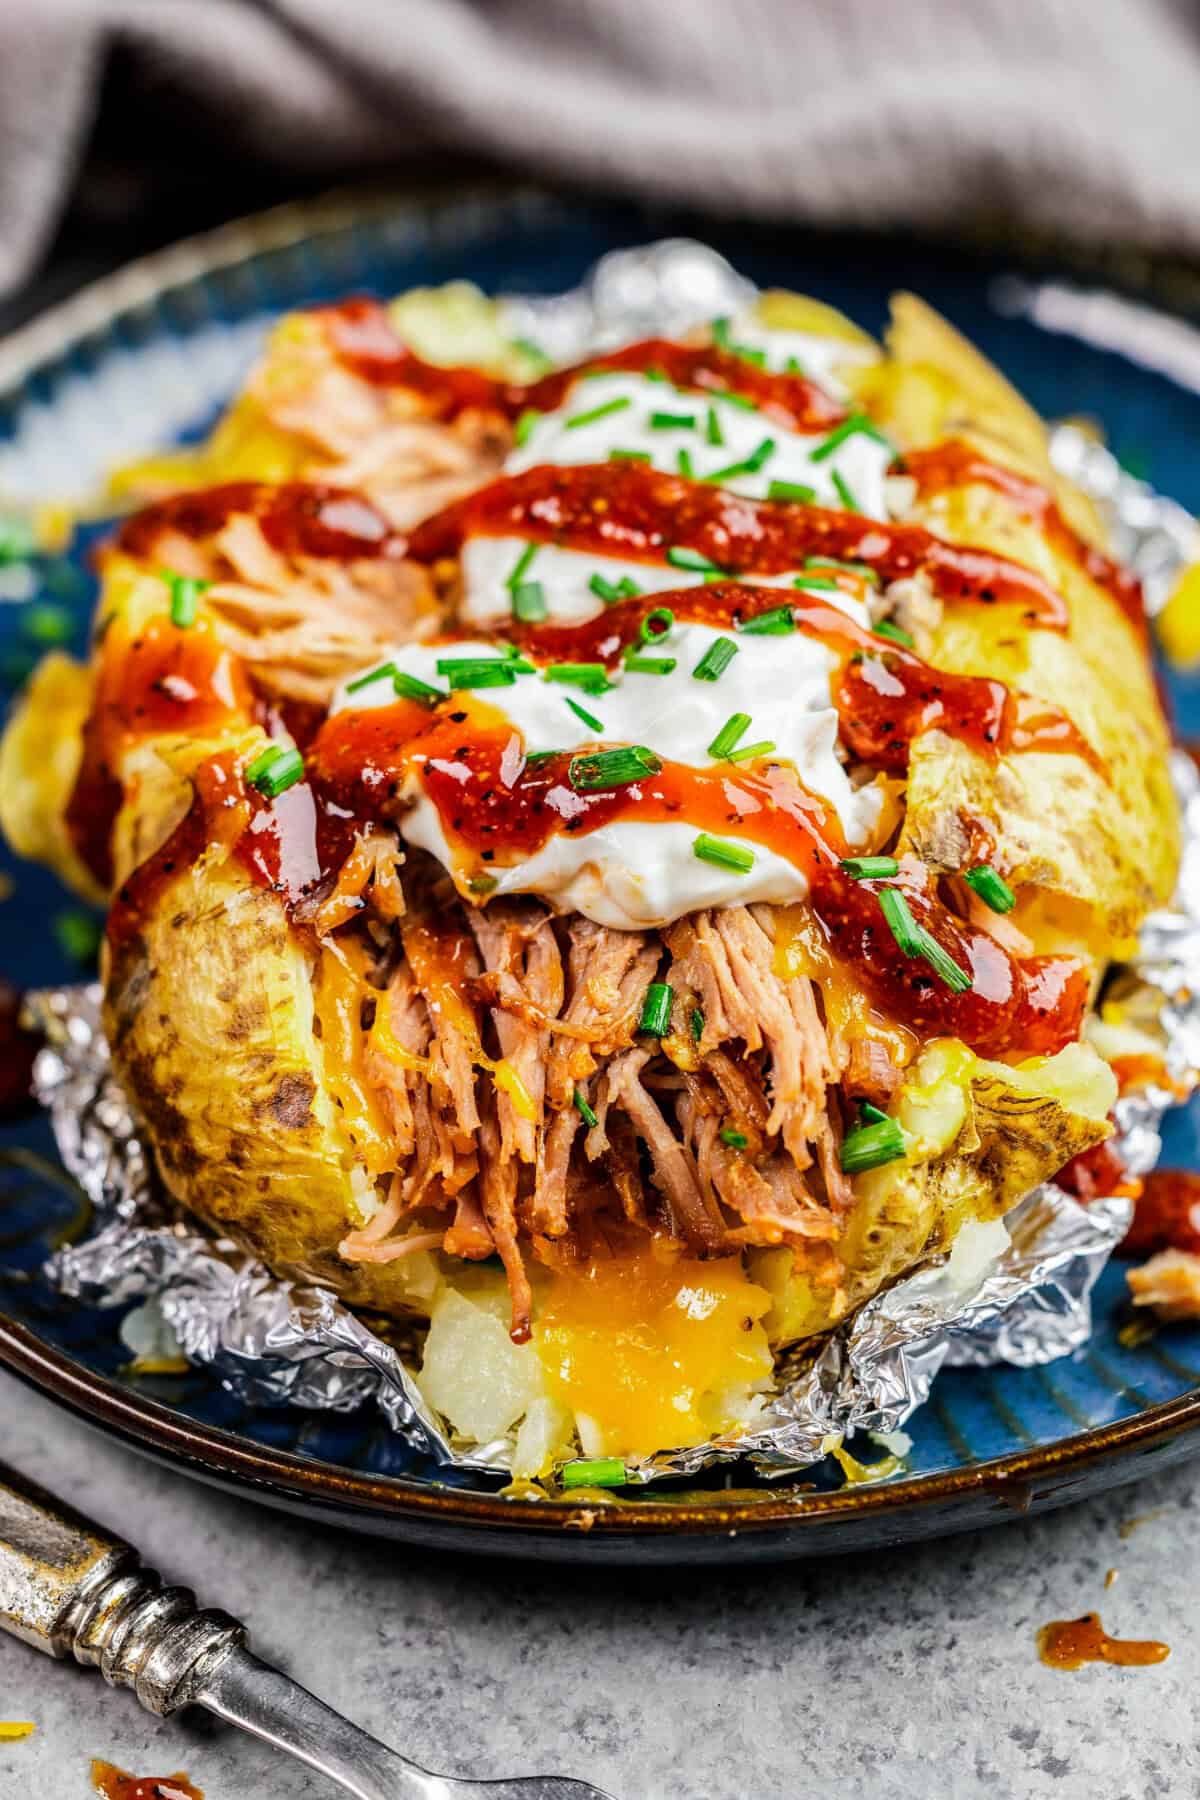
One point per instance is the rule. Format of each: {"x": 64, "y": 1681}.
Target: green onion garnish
{"x": 477, "y": 671}
{"x": 602, "y": 1471}
{"x": 685, "y": 465}
{"x": 712, "y": 430}
{"x": 583, "y": 1109}
{"x": 657, "y": 625}
{"x": 697, "y": 1023}
{"x": 751, "y": 752}
{"x": 793, "y": 366}
{"x": 483, "y": 884}
{"x": 845, "y": 492}
{"x": 605, "y": 769}
{"x": 737, "y": 1140}
{"x": 656, "y": 1009}
{"x": 666, "y": 421}
{"x": 533, "y": 351}
{"x": 914, "y": 940}
{"x": 362, "y": 681}
{"x": 78, "y": 934}
{"x": 637, "y": 456}
{"x": 607, "y": 591}
{"x": 274, "y": 770}
{"x": 870, "y": 1115}
{"x": 589, "y": 719}
{"x": 520, "y": 568}
{"x": 650, "y": 665}
{"x": 729, "y": 734}
{"x": 47, "y": 623}
{"x": 749, "y": 465}
{"x": 815, "y": 584}
{"x": 901, "y": 923}
{"x": 735, "y": 399}
{"x": 592, "y": 677}
{"x": 992, "y": 889}
{"x": 871, "y": 1146}
{"x": 897, "y": 633}
{"x": 855, "y": 423}
{"x": 409, "y": 687}
{"x": 792, "y": 490}
{"x": 680, "y": 557}
{"x": 185, "y": 593}
{"x": 524, "y": 425}
{"x": 723, "y": 854}
{"x": 716, "y": 660}
{"x": 529, "y": 602}
{"x": 835, "y": 562}
{"x": 720, "y": 331}
{"x": 870, "y": 868}
{"x": 775, "y": 622}
{"x": 598, "y": 412}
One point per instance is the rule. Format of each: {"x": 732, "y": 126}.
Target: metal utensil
{"x": 70, "y": 1588}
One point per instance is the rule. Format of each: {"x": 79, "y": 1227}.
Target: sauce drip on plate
{"x": 1070, "y": 1643}
{"x": 365, "y": 341}
{"x": 638, "y": 513}
{"x": 115, "y": 1784}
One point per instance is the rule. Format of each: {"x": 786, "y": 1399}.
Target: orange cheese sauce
{"x": 645, "y": 1345}
{"x": 1070, "y": 1643}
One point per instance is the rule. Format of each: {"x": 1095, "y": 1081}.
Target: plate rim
{"x": 231, "y": 1457}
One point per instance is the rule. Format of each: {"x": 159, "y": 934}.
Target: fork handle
{"x": 70, "y": 1588}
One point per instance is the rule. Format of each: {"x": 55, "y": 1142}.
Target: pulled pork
{"x": 510, "y": 1030}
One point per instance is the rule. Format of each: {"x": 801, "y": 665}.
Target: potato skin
{"x": 209, "y": 1015}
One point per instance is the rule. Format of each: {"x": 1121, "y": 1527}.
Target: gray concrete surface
{"x": 911, "y": 1674}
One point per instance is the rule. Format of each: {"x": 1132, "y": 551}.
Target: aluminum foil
{"x": 277, "y": 1341}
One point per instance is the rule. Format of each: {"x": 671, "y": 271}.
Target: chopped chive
{"x": 956, "y": 978}
{"x": 628, "y": 588}
{"x": 666, "y": 421}
{"x": 836, "y": 562}
{"x": 605, "y": 769}
{"x": 637, "y": 456}
{"x": 540, "y": 756}
{"x": 78, "y": 934}
{"x": 533, "y": 351}
{"x": 362, "y": 681}
{"x": 749, "y": 465}
{"x": 793, "y": 366}
{"x": 589, "y": 719}
{"x": 650, "y": 665}
{"x": 901, "y": 924}
{"x": 483, "y": 884}
{"x": 712, "y": 429}
{"x": 857, "y": 422}
{"x": 897, "y": 633}
{"x": 815, "y": 584}
{"x": 524, "y": 426}
{"x": 736, "y": 400}
{"x": 870, "y": 868}
{"x": 680, "y": 557}
{"x": 274, "y": 770}
{"x": 685, "y": 465}
{"x": 871, "y": 1146}
{"x": 409, "y": 687}
{"x": 871, "y": 1115}
{"x": 520, "y": 568}
{"x": 845, "y": 492}
{"x": 751, "y": 752}
{"x": 775, "y": 622}
{"x": 992, "y": 889}
{"x": 47, "y": 623}
{"x": 584, "y": 1110}
{"x": 598, "y": 412}
{"x": 658, "y": 616}
{"x": 602, "y": 1471}
{"x": 185, "y": 593}
{"x": 720, "y": 331}
{"x": 656, "y": 1009}
{"x": 722, "y": 854}
{"x": 497, "y": 672}
{"x": 731, "y": 731}
{"x": 716, "y": 660}
{"x": 529, "y": 602}
{"x": 737, "y": 1140}
{"x": 697, "y": 1024}
{"x": 592, "y": 677}
{"x": 607, "y": 591}
{"x": 798, "y": 491}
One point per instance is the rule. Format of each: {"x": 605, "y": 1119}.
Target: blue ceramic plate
{"x": 148, "y": 357}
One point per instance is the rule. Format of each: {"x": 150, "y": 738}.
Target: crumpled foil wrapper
{"x": 276, "y": 1341}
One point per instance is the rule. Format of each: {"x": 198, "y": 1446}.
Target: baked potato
{"x": 614, "y": 862}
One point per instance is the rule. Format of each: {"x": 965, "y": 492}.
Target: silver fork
{"x": 70, "y": 1588}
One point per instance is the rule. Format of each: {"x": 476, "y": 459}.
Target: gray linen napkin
{"x": 1077, "y": 114}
